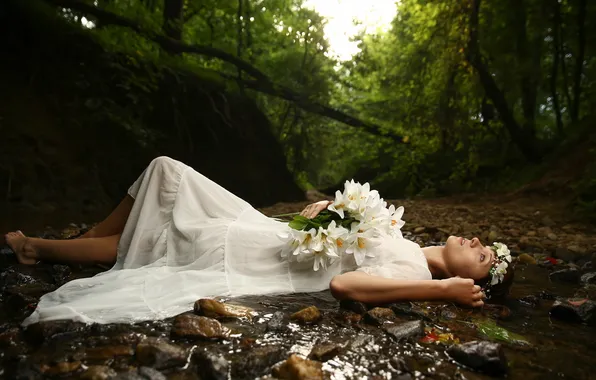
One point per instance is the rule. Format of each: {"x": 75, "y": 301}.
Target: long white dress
{"x": 188, "y": 238}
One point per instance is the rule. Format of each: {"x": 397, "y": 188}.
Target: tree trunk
{"x": 579, "y": 62}
{"x": 555, "y": 69}
{"x": 173, "y": 18}
{"x": 525, "y": 141}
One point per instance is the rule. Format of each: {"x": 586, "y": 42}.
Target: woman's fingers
{"x": 477, "y": 304}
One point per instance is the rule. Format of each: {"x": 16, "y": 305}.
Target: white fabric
{"x": 188, "y": 238}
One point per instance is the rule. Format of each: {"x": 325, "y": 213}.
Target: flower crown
{"x": 502, "y": 261}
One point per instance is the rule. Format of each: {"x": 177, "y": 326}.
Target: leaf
{"x": 297, "y": 224}
{"x": 489, "y": 328}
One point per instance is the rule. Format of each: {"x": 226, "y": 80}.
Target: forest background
{"x": 455, "y": 97}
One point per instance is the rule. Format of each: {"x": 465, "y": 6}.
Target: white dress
{"x": 188, "y": 238}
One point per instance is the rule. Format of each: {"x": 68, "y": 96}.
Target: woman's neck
{"x": 436, "y": 262}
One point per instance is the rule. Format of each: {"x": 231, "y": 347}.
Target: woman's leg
{"x": 83, "y": 251}
{"x": 114, "y": 223}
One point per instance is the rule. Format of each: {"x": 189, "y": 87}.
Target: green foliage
{"x": 415, "y": 80}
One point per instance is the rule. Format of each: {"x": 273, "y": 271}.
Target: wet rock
{"x": 21, "y": 296}
{"x": 349, "y": 316}
{"x": 211, "y": 366}
{"x": 564, "y": 254}
{"x": 98, "y": 372}
{"x": 570, "y": 275}
{"x": 544, "y": 231}
{"x": 325, "y": 351}
{"x": 157, "y": 353}
{"x": 492, "y": 236}
{"x": 530, "y": 301}
{"x": 378, "y": 315}
{"x": 277, "y": 322}
{"x": 497, "y": 311}
{"x": 361, "y": 340}
{"x": 525, "y": 258}
{"x": 142, "y": 373}
{"x": 419, "y": 230}
{"x": 406, "y": 330}
{"x": 593, "y": 261}
{"x": 257, "y": 362}
{"x": 310, "y": 314}
{"x": 10, "y": 337}
{"x": 45, "y": 331}
{"x": 575, "y": 310}
{"x": 296, "y": 368}
{"x": 587, "y": 266}
{"x": 548, "y": 222}
{"x": 355, "y": 306}
{"x": 218, "y": 310}
{"x": 407, "y": 309}
{"x": 552, "y": 236}
{"x": 60, "y": 274}
{"x": 61, "y": 368}
{"x": 107, "y": 352}
{"x": 487, "y": 357}
{"x": 588, "y": 278}
{"x": 587, "y": 291}
{"x": 448, "y": 314}
{"x": 195, "y": 326}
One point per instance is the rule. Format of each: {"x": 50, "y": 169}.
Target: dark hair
{"x": 501, "y": 290}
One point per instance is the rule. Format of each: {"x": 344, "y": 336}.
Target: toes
{"x": 20, "y": 233}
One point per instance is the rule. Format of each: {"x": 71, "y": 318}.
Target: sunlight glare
{"x": 373, "y": 16}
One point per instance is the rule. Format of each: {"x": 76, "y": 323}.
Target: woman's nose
{"x": 474, "y": 242}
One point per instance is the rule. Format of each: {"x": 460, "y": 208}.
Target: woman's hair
{"x": 499, "y": 291}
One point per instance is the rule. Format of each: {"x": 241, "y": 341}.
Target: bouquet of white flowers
{"x": 347, "y": 226}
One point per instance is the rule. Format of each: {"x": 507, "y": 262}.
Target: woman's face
{"x": 468, "y": 258}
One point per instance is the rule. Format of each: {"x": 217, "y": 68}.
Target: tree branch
{"x": 262, "y": 83}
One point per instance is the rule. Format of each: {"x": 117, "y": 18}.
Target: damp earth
{"x": 545, "y": 329}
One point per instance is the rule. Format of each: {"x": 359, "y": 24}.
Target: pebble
{"x": 195, "y": 326}
{"x": 310, "y": 314}
{"x": 296, "y": 368}
{"x": 487, "y": 357}
{"x": 525, "y": 258}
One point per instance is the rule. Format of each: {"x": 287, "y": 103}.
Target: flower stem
{"x": 289, "y": 214}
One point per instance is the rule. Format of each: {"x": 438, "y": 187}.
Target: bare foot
{"x": 19, "y": 243}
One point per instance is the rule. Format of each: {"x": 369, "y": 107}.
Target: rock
{"x": 570, "y": 275}
{"x": 98, "y": 372}
{"x": 378, "y": 315}
{"x": 448, "y": 314}
{"x": 552, "y": 236}
{"x": 195, "y": 326}
{"x": 257, "y": 362}
{"x": 108, "y": 352}
{"x": 575, "y": 310}
{"x": 355, "y": 306}
{"x": 544, "y": 231}
{"x": 10, "y": 337}
{"x": 492, "y": 236}
{"x": 349, "y": 316}
{"x": 406, "y": 330}
{"x": 150, "y": 373}
{"x": 61, "y": 369}
{"x": 44, "y": 331}
{"x": 419, "y": 230}
{"x": 526, "y": 259}
{"x": 142, "y": 373}
{"x": 157, "y": 353}
{"x": 277, "y": 322}
{"x": 361, "y": 340}
{"x": 593, "y": 260}
{"x": 215, "y": 309}
{"x": 588, "y": 278}
{"x": 531, "y": 233}
{"x": 547, "y": 221}
{"x": 483, "y": 356}
{"x": 296, "y": 368}
{"x": 565, "y": 254}
{"x": 211, "y": 366}
{"x": 587, "y": 291}
{"x": 325, "y": 351}
{"x": 310, "y": 314}
{"x": 530, "y": 301}
{"x": 587, "y": 266}
{"x": 407, "y": 309}
{"x": 21, "y": 296}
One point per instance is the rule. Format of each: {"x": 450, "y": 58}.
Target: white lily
{"x": 339, "y": 204}
{"x": 361, "y": 242}
{"x": 395, "y": 222}
{"x": 296, "y": 241}
{"x": 322, "y": 251}
{"x": 337, "y": 236}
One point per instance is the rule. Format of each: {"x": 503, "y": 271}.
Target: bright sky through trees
{"x": 372, "y": 14}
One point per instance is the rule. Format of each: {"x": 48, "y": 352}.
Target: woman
{"x": 178, "y": 237}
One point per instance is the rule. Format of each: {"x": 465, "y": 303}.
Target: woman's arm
{"x": 359, "y": 286}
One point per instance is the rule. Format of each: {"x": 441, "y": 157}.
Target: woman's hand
{"x": 314, "y": 209}
{"x": 463, "y": 291}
